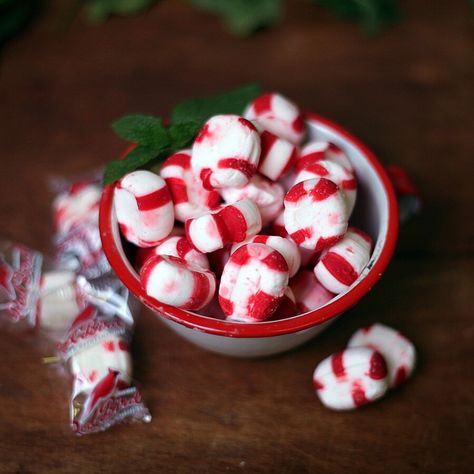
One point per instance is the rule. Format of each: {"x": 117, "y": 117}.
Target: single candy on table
{"x": 319, "y": 150}
{"x": 309, "y": 293}
{"x": 178, "y": 246}
{"x": 351, "y": 378}
{"x": 341, "y": 264}
{"x": 77, "y": 205}
{"x": 268, "y": 196}
{"x": 253, "y": 283}
{"x": 226, "y": 225}
{"x": 189, "y": 196}
{"x": 286, "y": 247}
{"x": 144, "y": 208}
{"x": 343, "y": 177}
{"x": 315, "y": 213}
{"x": 277, "y": 156}
{"x": 278, "y": 115}
{"x": 173, "y": 281}
{"x": 226, "y": 152}
{"x": 398, "y": 351}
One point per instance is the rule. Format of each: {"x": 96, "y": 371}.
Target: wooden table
{"x": 407, "y": 93}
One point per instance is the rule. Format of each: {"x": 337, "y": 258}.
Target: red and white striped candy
{"x": 287, "y": 307}
{"x": 277, "y": 156}
{"x": 266, "y": 195}
{"x": 315, "y": 213}
{"x": 144, "y": 208}
{"x": 179, "y": 246}
{"x": 334, "y": 172}
{"x": 286, "y": 247}
{"x": 77, "y": 205}
{"x": 278, "y": 115}
{"x": 253, "y": 283}
{"x": 309, "y": 293}
{"x": 319, "y": 150}
{"x": 188, "y": 194}
{"x": 173, "y": 281}
{"x": 226, "y": 152}
{"x": 341, "y": 264}
{"x": 277, "y": 227}
{"x": 398, "y": 351}
{"x": 227, "y": 225}
{"x": 351, "y": 378}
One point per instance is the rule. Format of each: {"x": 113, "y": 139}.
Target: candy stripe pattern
{"x": 266, "y": 195}
{"x": 77, "y": 205}
{"x": 334, "y": 172}
{"x": 315, "y": 213}
{"x": 341, "y": 264}
{"x": 172, "y": 281}
{"x": 277, "y": 156}
{"x": 286, "y": 247}
{"x": 188, "y": 194}
{"x": 227, "y": 225}
{"x": 179, "y": 246}
{"x": 308, "y": 292}
{"x": 318, "y": 150}
{"x": 278, "y": 115}
{"x": 226, "y": 152}
{"x": 398, "y": 351}
{"x": 144, "y": 208}
{"x": 351, "y": 378}
{"x": 253, "y": 283}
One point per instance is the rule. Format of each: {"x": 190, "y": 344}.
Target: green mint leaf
{"x": 200, "y": 109}
{"x": 97, "y": 11}
{"x": 182, "y": 134}
{"x": 373, "y": 15}
{"x": 243, "y": 17}
{"x": 139, "y": 156}
{"x": 142, "y": 129}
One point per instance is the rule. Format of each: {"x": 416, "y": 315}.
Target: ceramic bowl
{"x": 376, "y": 213}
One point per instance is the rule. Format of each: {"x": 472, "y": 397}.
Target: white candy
{"x": 226, "y": 152}
{"x": 172, "y": 281}
{"x": 308, "y": 292}
{"x": 189, "y": 196}
{"x": 227, "y": 225}
{"x": 351, "y": 378}
{"x": 341, "y": 264}
{"x": 325, "y": 151}
{"x": 92, "y": 364}
{"x": 60, "y": 301}
{"x": 277, "y": 157}
{"x": 144, "y": 208}
{"x": 253, "y": 283}
{"x": 179, "y": 246}
{"x": 266, "y": 195}
{"x": 285, "y": 247}
{"x": 398, "y": 351}
{"x": 278, "y": 115}
{"x": 79, "y": 204}
{"x": 334, "y": 172}
{"x": 315, "y": 213}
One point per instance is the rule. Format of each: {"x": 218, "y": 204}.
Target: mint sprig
{"x": 155, "y": 142}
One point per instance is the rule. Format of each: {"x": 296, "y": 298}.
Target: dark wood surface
{"x": 408, "y": 94}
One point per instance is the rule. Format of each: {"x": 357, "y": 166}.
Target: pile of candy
{"x": 249, "y": 219}
{"x": 77, "y": 302}
{"x": 377, "y": 358}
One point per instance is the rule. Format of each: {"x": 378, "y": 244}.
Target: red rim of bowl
{"x": 264, "y": 329}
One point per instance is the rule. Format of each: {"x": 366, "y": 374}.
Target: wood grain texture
{"x": 408, "y": 94}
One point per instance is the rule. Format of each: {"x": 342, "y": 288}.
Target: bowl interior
{"x": 375, "y": 212}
